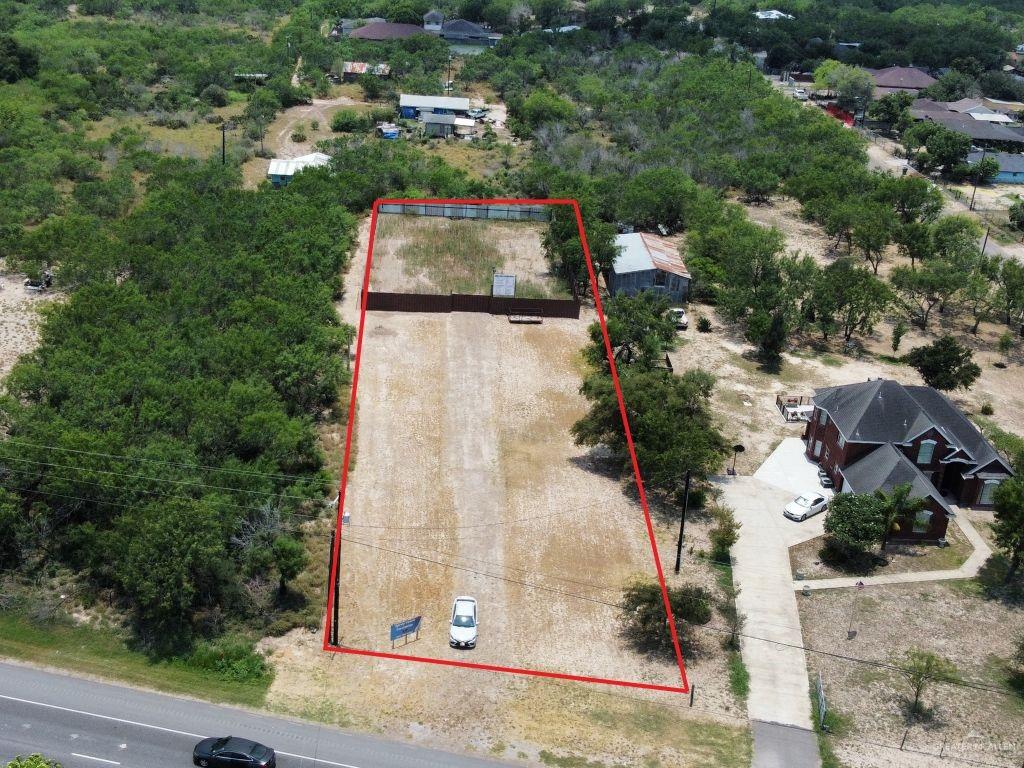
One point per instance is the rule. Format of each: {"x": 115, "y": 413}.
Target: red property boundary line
{"x": 335, "y": 555}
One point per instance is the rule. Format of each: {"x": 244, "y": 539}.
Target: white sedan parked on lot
{"x": 464, "y": 623}
{"x": 805, "y": 505}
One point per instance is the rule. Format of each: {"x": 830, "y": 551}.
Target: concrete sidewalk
{"x": 968, "y": 570}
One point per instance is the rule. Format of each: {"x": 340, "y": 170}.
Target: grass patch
{"x": 835, "y": 725}
{"x": 1007, "y": 442}
{"x": 455, "y": 258}
{"x": 569, "y": 761}
{"x": 102, "y": 652}
{"x": 739, "y": 677}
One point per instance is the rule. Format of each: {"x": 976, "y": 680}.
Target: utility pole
{"x": 223, "y": 143}
{"x": 977, "y": 176}
{"x": 682, "y": 522}
{"x": 336, "y": 567}
{"x": 988, "y": 228}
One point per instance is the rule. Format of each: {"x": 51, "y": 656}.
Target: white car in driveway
{"x": 462, "y": 633}
{"x": 805, "y": 505}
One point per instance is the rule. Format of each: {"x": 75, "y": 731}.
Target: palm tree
{"x": 898, "y": 505}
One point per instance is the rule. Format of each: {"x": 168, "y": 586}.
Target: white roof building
{"x": 414, "y": 101}
{"x": 289, "y": 166}
{"x": 772, "y": 15}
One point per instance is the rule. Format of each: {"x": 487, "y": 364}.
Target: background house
{"x": 892, "y": 79}
{"x": 412, "y": 105}
{"x": 385, "y": 30}
{"x": 1011, "y": 166}
{"x": 648, "y": 263}
{"x": 462, "y": 32}
{"x": 432, "y": 21}
{"x": 441, "y": 125}
{"x": 282, "y": 169}
{"x": 879, "y": 434}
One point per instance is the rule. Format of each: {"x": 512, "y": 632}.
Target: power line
{"x": 231, "y": 470}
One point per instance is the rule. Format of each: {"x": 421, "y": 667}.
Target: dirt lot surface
{"x": 948, "y": 618}
{"x": 466, "y": 481}
{"x": 19, "y": 319}
{"x": 426, "y": 254}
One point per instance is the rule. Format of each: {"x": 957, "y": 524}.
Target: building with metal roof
{"x": 411, "y": 105}
{"x": 282, "y": 169}
{"x": 1011, "y": 166}
{"x": 648, "y": 263}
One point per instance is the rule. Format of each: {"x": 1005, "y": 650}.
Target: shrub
{"x": 314, "y": 125}
{"x": 724, "y": 534}
{"x": 231, "y": 659}
{"x": 348, "y": 121}
{"x": 987, "y": 409}
{"x": 299, "y": 134}
{"x": 214, "y": 95}
{"x": 643, "y": 613}
{"x": 703, "y": 324}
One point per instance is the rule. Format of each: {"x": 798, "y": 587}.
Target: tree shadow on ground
{"x": 851, "y": 562}
{"x": 992, "y": 579}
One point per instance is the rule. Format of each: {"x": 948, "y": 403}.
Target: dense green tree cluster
{"x": 900, "y": 33}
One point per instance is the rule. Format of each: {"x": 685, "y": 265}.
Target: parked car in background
{"x": 462, "y": 633}
{"x": 682, "y": 321}
{"x": 232, "y": 752}
{"x": 805, "y": 505}
{"x": 476, "y": 113}
{"x": 800, "y": 94}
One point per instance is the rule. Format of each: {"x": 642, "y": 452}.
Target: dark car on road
{"x": 232, "y": 752}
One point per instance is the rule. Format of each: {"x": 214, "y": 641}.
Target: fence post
{"x": 904, "y": 741}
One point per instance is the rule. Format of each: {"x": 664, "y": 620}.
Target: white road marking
{"x": 97, "y": 759}
{"x": 155, "y": 728}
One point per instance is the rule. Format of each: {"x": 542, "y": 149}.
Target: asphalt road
{"x": 88, "y": 724}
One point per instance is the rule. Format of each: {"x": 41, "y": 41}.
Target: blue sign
{"x": 404, "y": 628}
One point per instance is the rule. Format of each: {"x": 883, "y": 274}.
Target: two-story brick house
{"x": 881, "y": 434}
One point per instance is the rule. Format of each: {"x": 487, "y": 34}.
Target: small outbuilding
{"x": 648, "y": 263}
{"x": 438, "y": 125}
{"x": 432, "y": 21}
{"x": 282, "y": 169}
{"x": 412, "y": 105}
{"x": 1011, "y": 166}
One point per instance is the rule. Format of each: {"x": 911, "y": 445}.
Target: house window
{"x": 842, "y": 441}
{"x": 659, "y": 278}
{"x": 925, "y": 452}
{"x": 822, "y": 418}
{"x": 817, "y": 448}
{"x": 988, "y": 491}
{"x": 922, "y": 521}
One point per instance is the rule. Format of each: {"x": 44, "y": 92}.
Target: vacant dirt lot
{"x": 466, "y": 481}
{"x": 19, "y": 319}
{"x": 948, "y": 618}
{"x": 427, "y": 254}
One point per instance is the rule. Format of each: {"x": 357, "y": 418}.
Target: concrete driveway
{"x": 788, "y": 467}
{"x": 772, "y": 650}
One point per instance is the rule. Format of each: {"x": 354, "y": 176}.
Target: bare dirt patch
{"x": 19, "y": 319}
{"x": 948, "y": 618}
{"x": 428, "y": 254}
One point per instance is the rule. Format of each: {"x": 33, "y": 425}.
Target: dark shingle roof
{"x": 886, "y": 468}
{"x": 463, "y": 27}
{"x": 885, "y": 411}
{"x": 902, "y": 77}
{"x": 386, "y": 31}
{"x": 1008, "y": 162}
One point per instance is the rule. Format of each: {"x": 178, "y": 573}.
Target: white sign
{"x": 503, "y": 285}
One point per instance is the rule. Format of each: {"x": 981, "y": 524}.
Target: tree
{"x": 759, "y": 183}
{"x": 657, "y": 197}
{"x": 922, "y": 667}
{"x": 16, "y": 61}
{"x": 854, "y": 522}
{"x": 1016, "y": 214}
{"x": 945, "y": 364}
{"x": 670, "y": 419}
{"x": 543, "y": 105}
{"x": 923, "y": 289}
{"x": 290, "y": 558}
{"x": 824, "y": 75}
{"x": 640, "y": 328}
{"x": 899, "y": 330}
{"x": 872, "y": 230}
{"x": 1008, "y": 528}
{"x": 853, "y": 86}
{"x": 643, "y": 617}
{"x": 849, "y": 298}
{"x": 896, "y": 506}
{"x": 548, "y": 12}
{"x": 913, "y": 198}
{"x": 33, "y": 761}
{"x": 890, "y": 108}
